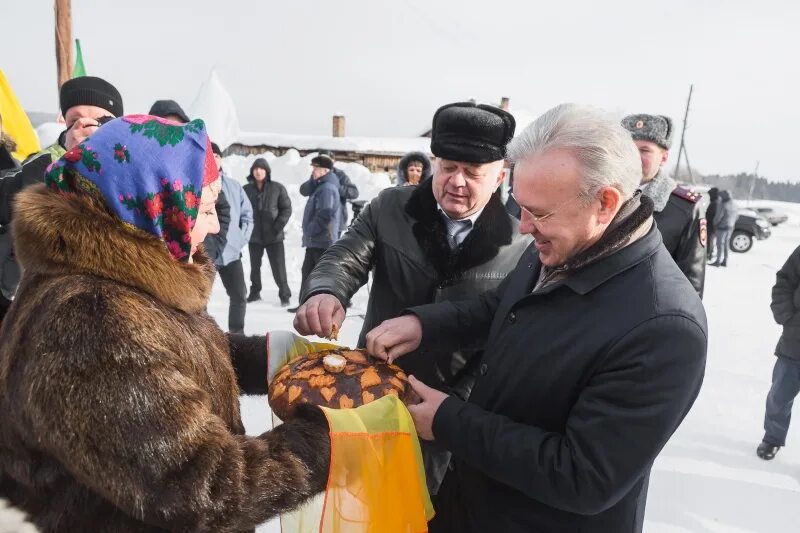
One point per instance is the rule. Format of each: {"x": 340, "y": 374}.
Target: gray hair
{"x": 605, "y": 150}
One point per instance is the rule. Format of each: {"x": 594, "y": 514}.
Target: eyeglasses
{"x": 540, "y": 220}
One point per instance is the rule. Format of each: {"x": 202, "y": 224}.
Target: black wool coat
{"x": 581, "y": 385}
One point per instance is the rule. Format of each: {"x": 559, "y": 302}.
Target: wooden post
{"x": 63, "y": 40}
{"x": 683, "y": 133}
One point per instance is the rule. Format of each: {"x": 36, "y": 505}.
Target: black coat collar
{"x": 492, "y": 230}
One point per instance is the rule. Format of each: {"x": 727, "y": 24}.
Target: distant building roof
{"x": 365, "y": 145}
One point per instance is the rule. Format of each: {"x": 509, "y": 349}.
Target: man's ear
{"x": 664, "y": 157}
{"x": 610, "y": 203}
{"x": 501, "y": 177}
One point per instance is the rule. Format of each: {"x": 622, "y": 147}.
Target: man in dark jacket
{"x": 594, "y": 347}
{"x": 678, "y": 211}
{"x": 347, "y": 189}
{"x": 711, "y": 212}
{"x": 86, "y": 102}
{"x": 271, "y": 211}
{"x": 448, "y": 238}
{"x": 786, "y": 374}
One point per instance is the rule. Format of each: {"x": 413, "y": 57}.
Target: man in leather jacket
{"x": 447, "y": 238}
{"x": 678, "y": 211}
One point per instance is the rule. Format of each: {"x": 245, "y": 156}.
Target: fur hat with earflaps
{"x": 654, "y": 128}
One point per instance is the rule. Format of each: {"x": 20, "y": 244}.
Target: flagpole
{"x": 63, "y": 12}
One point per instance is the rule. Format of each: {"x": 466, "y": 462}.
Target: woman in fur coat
{"x": 119, "y": 404}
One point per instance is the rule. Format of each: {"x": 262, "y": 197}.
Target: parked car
{"x": 749, "y": 225}
{"x": 772, "y": 215}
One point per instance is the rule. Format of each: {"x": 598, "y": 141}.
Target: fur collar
{"x": 63, "y": 234}
{"x": 492, "y": 230}
{"x": 659, "y": 190}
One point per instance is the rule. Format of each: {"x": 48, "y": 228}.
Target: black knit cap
{"x": 654, "y": 128}
{"x": 163, "y": 108}
{"x": 471, "y": 133}
{"x": 90, "y": 90}
{"x": 322, "y": 161}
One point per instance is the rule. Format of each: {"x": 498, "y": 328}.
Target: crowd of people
{"x": 556, "y": 341}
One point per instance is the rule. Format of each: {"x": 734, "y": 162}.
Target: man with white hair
{"x": 594, "y": 347}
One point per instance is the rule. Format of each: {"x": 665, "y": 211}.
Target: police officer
{"x": 678, "y": 211}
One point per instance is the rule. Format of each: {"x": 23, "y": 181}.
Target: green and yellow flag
{"x": 15, "y": 122}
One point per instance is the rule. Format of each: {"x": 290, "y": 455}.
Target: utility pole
{"x": 63, "y": 12}
{"x": 753, "y": 184}
{"x": 682, "y": 149}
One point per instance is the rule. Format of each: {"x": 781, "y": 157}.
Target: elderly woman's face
{"x": 207, "y": 221}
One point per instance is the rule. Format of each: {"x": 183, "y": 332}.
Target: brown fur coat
{"x": 119, "y": 405}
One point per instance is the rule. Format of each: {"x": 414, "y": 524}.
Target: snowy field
{"x": 708, "y": 478}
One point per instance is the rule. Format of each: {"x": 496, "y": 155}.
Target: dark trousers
{"x": 785, "y": 386}
{"x": 277, "y": 262}
{"x": 232, "y": 276}
{"x": 313, "y": 255}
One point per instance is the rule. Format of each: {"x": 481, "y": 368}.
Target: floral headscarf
{"x": 148, "y": 170}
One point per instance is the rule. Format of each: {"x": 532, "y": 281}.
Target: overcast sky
{"x": 387, "y": 65}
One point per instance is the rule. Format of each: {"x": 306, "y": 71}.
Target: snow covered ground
{"x": 708, "y": 478}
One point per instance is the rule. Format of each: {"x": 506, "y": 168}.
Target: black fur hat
{"x": 654, "y": 128}
{"x": 471, "y": 133}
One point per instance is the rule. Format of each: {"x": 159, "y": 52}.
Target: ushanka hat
{"x": 471, "y": 133}
{"x": 148, "y": 171}
{"x": 654, "y": 128}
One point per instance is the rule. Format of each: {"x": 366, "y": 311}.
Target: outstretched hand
{"x": 394, "y": 338}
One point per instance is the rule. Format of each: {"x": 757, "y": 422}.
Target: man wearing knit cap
{"x": 448, "y": 238}
{"x": 678, "y": 211}
{"x": 86, "y": 103}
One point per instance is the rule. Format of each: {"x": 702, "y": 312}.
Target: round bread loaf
{"x": 339, "y": 379}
